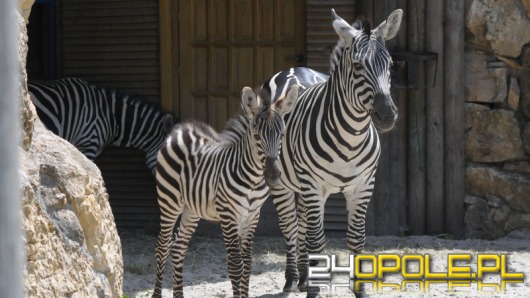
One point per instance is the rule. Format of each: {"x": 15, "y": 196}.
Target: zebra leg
{"x": 285, "y": 203}
{"x": 188, "y": 224}
{"x": 246, "y": 254}
{"x": 357, "y": 204}
{"x": 230, "y": 229}
{"x": 168, "y": 217}
{"x": 302, "y": 248}
{"x": 315, "y": 240}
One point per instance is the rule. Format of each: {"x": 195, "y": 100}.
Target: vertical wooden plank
{"x": 186, "y": 64}
{"x": 399, "y": 145}
{"x": 175, "y": 52}
{"x": 166, "y": 61}
{"x": 434, "y": 106}
{"x": 454, "y": 116}
{"x": 367, "y": 9}
{"x": 416, "y": 124}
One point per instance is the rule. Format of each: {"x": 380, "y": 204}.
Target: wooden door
{"x": 224, "y": 45}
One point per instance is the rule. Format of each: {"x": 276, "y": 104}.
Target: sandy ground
{"x": 205, "y": 272}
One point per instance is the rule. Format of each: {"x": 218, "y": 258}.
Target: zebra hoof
{"x": 290, "y": 285}
{"x": 312, "y": 292}
{"x": 302, "y": 284}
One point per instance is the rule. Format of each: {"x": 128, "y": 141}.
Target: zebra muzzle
{"x": 272, "y": 173}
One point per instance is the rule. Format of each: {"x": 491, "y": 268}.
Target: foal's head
{"x": 267, "y": 125}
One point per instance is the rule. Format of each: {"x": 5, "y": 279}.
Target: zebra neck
{"x": 251, "y": 164}
{"x": 342, "y": 111}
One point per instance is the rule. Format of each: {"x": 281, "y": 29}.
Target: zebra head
{"x": 365, "y": 64}
{"x": 267, "y": 125}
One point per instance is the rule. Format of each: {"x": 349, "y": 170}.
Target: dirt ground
{"x": 205, "y": 272}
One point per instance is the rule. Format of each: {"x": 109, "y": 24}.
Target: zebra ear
{"x": 250, "y": 102}
{"x": 286, "y": 104}
{"x": 168, "y": 123}
{"x": 388, "y": 29}
{"x": 343, "y": 29}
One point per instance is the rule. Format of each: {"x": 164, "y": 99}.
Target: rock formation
{"x": 72, "y": 245}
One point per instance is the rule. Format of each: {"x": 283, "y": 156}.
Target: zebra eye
{"x": 257, "y": 136}
{"x": 357, "y": 66}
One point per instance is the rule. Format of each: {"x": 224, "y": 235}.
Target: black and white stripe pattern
{"x": 331, "y": 143}
{"x": 91, "y": 118}
{"x": 221, "y": 177}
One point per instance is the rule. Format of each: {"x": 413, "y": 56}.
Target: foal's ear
{"x": 388, "y": 29}
{"x": 250, "y": 102}
{"x": 286, "y": 104}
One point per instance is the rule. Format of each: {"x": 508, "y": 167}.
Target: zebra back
{"x": 91, "y": 117}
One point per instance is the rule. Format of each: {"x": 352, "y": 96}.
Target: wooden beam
{"x": 435, "y": 119}
{"x": 454, "y": 171}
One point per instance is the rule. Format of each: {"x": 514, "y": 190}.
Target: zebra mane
{"x": 360, "y": 24}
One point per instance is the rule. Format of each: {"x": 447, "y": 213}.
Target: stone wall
{"x": 497, "y": 126}
{"x": 72, "y": 245}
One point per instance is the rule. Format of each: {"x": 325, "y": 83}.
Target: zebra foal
{"x": 220, "y": 177}
{"x": 331, "y": 142}
{"x": 91, "y": 118}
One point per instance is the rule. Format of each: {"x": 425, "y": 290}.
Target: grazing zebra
{"x": 219, "y": 177}
{"x": 90, "y": 117}
{"x": 331, "y": 143}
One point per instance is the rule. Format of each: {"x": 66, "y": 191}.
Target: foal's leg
{"x": 230, "y": 229}
{"x": 188, "y": 224}
{"x": 285, "y": 203}
{"x": 246, "y": 253}
{"x": 170, "y": 209}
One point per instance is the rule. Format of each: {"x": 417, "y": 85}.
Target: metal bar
{"x": 11, "y": 248}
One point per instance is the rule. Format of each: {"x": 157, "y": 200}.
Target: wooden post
{"x": 454, "y": 171}
{"x": 416, "y": 126}
{"x": 435, "y": 119}
{"x": 399, "y": 145}
{"x": 11, "y": 249}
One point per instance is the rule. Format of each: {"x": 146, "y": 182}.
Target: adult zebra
{"x": 219, "y": 177}
{"x": 91, "y": 118}
{"x": 331, "y": 143}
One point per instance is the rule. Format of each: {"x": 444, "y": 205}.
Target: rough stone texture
{"x": 514, "y": 94}
{"x": 475, "y": 107}
{"x": 478, "y": 221}
{"x": 492, "y": 136}
{"x": 497, "y": 110}
{"x": 526, "y": 138}
{"x": 28, "y": 113}
{"x": 72, "y": 245}
{"x": 526, "y": 5}
{"x": 499, "y": 25}
{"x": 517, "y": 221}
{"x": 521, "y": 167}
{"x": 483, "y": 84}
{"x": 514, "y": 188}
{"x": 73, "y": 248}
{"x": 25, "y": 7}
